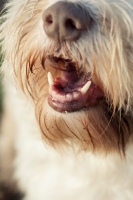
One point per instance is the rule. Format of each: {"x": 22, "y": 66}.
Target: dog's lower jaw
{"x": 95, "y": 128}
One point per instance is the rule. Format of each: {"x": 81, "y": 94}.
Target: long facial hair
{"x": 104, "y": 51}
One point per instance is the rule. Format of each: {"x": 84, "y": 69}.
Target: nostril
{"x": 70, "y": 24}
{"x": 49, "y": 20}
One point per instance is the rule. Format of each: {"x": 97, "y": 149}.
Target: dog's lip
{"x": 69, "y": 93}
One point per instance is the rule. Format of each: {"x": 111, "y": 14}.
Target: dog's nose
{"x": 65, "y": 21}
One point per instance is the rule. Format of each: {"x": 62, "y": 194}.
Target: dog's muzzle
{"x": 72, "y": 90}
{"x": 65, "y": 21}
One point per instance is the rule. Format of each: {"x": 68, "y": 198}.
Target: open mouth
{"x": 72, "y": 90}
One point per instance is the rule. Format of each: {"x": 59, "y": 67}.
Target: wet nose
{"x": 65, "y": 21}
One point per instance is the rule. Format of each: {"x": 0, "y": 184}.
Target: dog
{"x": 67, "y": 127}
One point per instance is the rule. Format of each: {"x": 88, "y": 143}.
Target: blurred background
{"x": 1, "y": 3}
{"x": 5, "y": 192}
{"x": 1, "y": 93}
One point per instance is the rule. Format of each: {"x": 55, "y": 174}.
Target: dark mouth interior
{"x": 72, "y": 90}
{"x": 62, "y": 64}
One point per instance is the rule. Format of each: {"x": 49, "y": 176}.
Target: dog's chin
{"x": 90, "y": 128}
{"x": 76, "y": 111}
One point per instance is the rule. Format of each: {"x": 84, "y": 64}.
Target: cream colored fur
{"x": 81, "y": 155}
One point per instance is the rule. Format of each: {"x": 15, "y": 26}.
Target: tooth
{"x": 86, "y": 87}
{"x": 76, "y": 95}
{"x": 50, "y": 78}
{"x": 69, "y": 97}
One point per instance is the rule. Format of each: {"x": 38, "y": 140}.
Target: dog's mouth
{"x": 72, "y": 90}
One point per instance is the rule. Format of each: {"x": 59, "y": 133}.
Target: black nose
{"x": 65, "y": 21}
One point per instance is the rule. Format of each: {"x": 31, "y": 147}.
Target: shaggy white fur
{"x": 59, "y": 141}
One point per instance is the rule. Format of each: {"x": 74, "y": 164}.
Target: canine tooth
{"x": 85, "y": 87}
{"x": 50, "y": 78}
